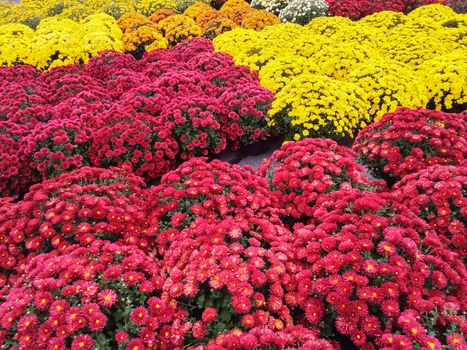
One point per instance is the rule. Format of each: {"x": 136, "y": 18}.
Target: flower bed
{"x": 122, "y": 234}
{"x": 57, "y": 42}
{"x": 60, "y": 34}
{"x": 116, "y": 111}
{"x": 377, "y": 275}
{"x": 334, "y": 76}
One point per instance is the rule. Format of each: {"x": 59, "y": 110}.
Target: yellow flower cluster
{"x": 316, "y": 105}
{"x": 178, "y": 28}
{"x": 446, "y": 79}
{"x": 145, "y": 25}
{"x": 359, "y": 70}
{"x": 57, "y": 41}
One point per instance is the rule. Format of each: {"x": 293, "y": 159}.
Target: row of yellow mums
{"x": 73, "y": 35}
{"x": 334, "y": 76}
{"x": 32, "y": 11}
{"x": 57, "y": 42}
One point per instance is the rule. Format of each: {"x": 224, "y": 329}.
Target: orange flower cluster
{"x": 165, "y": 27}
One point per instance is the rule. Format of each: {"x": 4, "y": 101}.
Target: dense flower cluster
{"x": 118, "y": 232}
{"x": 301, "y": 172}
{"x": 302, "y": 12}
{"x": 103, "y": 295}
{"x": 334, "y": 76}
{"x": 92, "y": 276}
{"x": 166, "y": 26}
{"x": 406, "y": 141}
{"x": 76, "y": 207}
{"x": 379, "y": 276}
{"x": 60, "y": 33}
{"x": 356, "y": 9}
{"x": 232, "y": 273}
{"x": 56, "y": 42}
{"x": 438, "y": 194}
{"x": 299, "y": 11}
{"x": 114, "y": 111}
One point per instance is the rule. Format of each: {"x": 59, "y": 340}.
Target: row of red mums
{"x": 357, "y": 9}
{"x": 150, "y": 115}
{"x": 304, "y": 251}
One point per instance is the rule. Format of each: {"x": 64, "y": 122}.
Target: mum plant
{"x": 379, "y": 276}
{"x": 438, "y": 195}
{"x": 302, "y": 172}
{"x": 76, "y": 207}
{"x": 403, "y": 142}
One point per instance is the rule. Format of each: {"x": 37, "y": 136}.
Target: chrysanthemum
{"x": 135, "y": 344}
{"x": 456, "y": 340}
{"x": 113, "y": 272}
{"x": 314, "y": 310}
{"x": 358, "y": 337}
{"x": 241, "y": 304}
{"x": 82, "y": 342}
{"x": 27, "y": 323}
{"x": 97, "y": 321}
{"x": 248, "y": 321}
{"x": 199, "y": 330}
{"x": 345, "y": 325}
{"x": 121, "y": 336}
{"x": 107, "y": 298}
{"x": 209, "y": 315}
{"x": 248, "y": 341}
{"x": 370, "y": 325}
{"x": 139, "y": 315}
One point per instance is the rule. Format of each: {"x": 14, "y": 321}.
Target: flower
{"x": 107, "y": 298}
{"x": 209, "y": 315}
{"x": 302, "y": 12}
{"x": 82, "y": 342}
{"x": 364, "y": 288}
{"x": 121, "y": 336}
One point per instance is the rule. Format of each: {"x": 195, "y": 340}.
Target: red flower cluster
{"x": 379, "y": 276}
{"x": 218, "y": 238}
{"x": 115, "y": 111}
{"x": 219, "y": 279}
{"x": 438, "y": 194}
{"x": 406, "y": 141}
{"x": 75, "y": 207}
{"x": 356, "y": 9}
{"x": 301, "y": 172}
{"x": 76, "y": 298}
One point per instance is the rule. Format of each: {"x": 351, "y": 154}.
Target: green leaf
{"x": 200, "y": 301}
{"x": 225, "y": 316}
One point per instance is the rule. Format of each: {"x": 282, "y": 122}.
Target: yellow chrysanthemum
{"x": 147, "y": 7}
{"x": 338, "y": 60}
{"x": 279, "y": 72}
{"x": 178, "y": 28}
{"x": 320, "y": 107}
{"x": 383, "y": 20}
{"x": 14, "y": 43}
{"x": 446, "y": 79}
{"x": 436, "y": 12}
{"x": 328, "y": 25}
{"x": 388, "y": 86}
